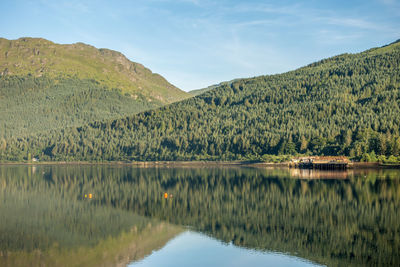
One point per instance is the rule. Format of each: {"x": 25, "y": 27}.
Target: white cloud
{"x": 390, "y": 2}
{"x": 264, "y": 8}
{"x": 332, "y": 37}
{"x": 353, "y": 22}
{"x": 261, "y": 22}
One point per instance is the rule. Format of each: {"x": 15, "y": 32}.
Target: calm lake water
{"x": 118, "y": 216}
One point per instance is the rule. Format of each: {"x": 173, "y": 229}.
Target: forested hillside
{"x": 46, "y": 86}
{"x": 347, "y": 105}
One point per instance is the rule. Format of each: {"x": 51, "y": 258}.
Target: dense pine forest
{"x": 345, "y": 105}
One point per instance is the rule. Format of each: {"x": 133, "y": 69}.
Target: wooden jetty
{"x": 321, "y": 163}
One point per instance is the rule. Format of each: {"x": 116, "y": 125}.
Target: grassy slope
{"x": 37, "y": 56}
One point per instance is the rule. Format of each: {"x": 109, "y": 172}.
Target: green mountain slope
{"x": 37, "y": 56}
{"x": 348, "y": 104}
{"x": 45, "y": 86}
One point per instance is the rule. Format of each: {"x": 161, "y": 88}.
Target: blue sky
{"x": 196, "y": 43}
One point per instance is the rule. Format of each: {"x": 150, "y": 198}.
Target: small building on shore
{"x": 321, "y": 162}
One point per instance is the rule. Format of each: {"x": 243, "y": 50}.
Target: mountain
{"x": 110, "y": 68}
{"x": 44, "y": 85}
{"x": 345, "y": 105}
{"x": 66, "y": 230}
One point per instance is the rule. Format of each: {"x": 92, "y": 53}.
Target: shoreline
{"x": 354, "y": 165}
{"x": 153, "y": 163}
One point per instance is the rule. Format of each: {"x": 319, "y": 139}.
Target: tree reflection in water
{"x": 350, "y": 221}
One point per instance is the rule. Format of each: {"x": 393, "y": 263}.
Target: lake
{"x": 114, "y": 215}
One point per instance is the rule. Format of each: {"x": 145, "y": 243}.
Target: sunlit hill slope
{"x": 44, "y": 85}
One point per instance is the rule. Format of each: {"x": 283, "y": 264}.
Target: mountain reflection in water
{"x": 195, "y": 249}
{"x": 350, "y": 221}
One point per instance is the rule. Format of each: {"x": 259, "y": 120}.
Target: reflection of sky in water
{"x": 195, "y": 249}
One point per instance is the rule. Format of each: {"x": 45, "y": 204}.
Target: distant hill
{"x": 203, "y": 90}
{"x": 44, "y": 85}
{"x": 344, "y": 105}
{"x": 200, "y": 91}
